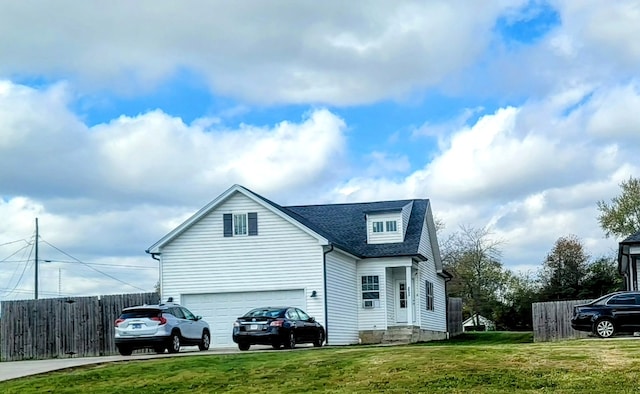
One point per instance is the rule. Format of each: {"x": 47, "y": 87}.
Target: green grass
{"x": 472, "y": 363}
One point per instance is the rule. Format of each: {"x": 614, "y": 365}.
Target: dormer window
{"x": 378, "y": 227}
{"x": 392, "y": 226}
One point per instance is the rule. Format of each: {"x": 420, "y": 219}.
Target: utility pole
{"x": 36, "y": 286}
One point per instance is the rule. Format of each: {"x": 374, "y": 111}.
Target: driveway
{"x": 17, "y": 369}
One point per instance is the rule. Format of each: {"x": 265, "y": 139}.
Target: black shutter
{"x": 228, "y": 225}
{"x": 252, "y": 218}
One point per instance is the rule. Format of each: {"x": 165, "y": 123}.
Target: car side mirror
{"x": 198, "y": 318}
{"x": 312, "y": 320}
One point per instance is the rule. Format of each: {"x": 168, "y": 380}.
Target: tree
{"x": 473, "y": 258}
{"x": 622, "y": 216}
{"x": 602, "y": 278}
{"x": 514, "y": 314}
{"x": 564, "y": 270}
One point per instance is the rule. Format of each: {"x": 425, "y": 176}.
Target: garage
{"x": 220, "y": 310}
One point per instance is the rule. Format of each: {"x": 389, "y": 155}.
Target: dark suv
{"x": 160, "y": 327}
{"x": 615, "y": 312}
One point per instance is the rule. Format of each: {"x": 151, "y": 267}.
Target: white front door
{"x": 401, "y": 301}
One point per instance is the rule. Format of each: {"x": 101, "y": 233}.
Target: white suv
{"x": 160, "y": 327}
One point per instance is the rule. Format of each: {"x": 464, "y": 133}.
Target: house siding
{"x": 342, "y": 299}
{"x": 385, "y": 237}
{"x": 406, "y": 214}
{"x": 435, "y": 320}
{"x": 376, "y": 318}
{"x": 280, "y": 257}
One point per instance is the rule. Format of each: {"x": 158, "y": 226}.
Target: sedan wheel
{"x": 205, "y": 342}
{"x": 605, "y": 328}
{"x": 291, "y": 343}
{"x": 243, "y": 346}
{"x": 319, "y": 340}
{"x": 174, "y": 343}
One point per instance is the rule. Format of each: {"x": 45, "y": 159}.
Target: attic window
{"x": 239, "y": 224}
{"x": 392, "y": 226}
{"x": 378, "y": 227}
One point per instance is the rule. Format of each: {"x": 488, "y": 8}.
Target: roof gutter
{"x": 324, "y": 292}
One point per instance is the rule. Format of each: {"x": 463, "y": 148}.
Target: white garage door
{"x": 220, "y": 310}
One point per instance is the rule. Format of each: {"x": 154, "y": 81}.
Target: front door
{"x": 401, "y": 301}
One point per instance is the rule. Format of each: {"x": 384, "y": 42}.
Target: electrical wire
{"x": 89, "y": 266}
{"x": 24, "y": 269}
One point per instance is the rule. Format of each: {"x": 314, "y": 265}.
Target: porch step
{"x": 398, "y": 335}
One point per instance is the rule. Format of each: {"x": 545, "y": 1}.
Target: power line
{"x": 89, "y": 266}
{"x": 141, "y": 267}
{"x": 24, "y": 269}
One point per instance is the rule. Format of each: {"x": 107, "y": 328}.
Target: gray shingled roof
{"x": 344, "y": 225}
{"x": 635, "y": 238}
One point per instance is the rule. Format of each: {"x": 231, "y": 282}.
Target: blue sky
{"x": 117, "y": 123}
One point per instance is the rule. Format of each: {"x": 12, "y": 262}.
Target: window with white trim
{"x": 370, "y": 291}
{"x": 392, "y": 226}
{"x": 378, "y": 227}
{"x": 429, "y": 293}
{"x": 240, "y": 224}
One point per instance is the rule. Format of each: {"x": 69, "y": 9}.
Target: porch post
{"x": 407, "y": 280}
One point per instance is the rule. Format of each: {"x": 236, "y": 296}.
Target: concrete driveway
{"x": 17, "y": 369}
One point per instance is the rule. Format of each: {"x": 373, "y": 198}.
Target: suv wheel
{"x": 243, "y": 346}
{"x": 604, "y": 328}
{"x": 174, "y": 343}
{"x": 125, "y": 350}
{"x": 291, "y": 343}
{"x": 205, "y": 342}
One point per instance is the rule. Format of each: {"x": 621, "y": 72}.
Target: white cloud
{"x": 328, "y": 52}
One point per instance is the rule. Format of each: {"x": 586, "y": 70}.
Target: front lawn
{"x": 473, "y": 363}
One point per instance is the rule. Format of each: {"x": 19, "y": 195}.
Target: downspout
{"x": 155, "y": 257}
{"x": 324, "y": 279}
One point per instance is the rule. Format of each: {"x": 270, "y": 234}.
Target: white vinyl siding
{"x": 374, "y": 318}
{"x": 377, "y": 225}
{"x": 406, "y": 214}
{"x": 342, "y": 299}
{"x": 280, "y": 257}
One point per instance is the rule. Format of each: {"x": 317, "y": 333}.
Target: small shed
{"x": 478, "y": 323}
{"x": 628, "y": 257}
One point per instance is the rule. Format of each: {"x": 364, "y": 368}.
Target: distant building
{"x": 478, "y": 323}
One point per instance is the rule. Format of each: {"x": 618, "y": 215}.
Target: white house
{"x": 369, "y": 272}
{"x": 628, "y": 257}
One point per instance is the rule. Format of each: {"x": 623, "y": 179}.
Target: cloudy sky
{"x": 118, "y": 122}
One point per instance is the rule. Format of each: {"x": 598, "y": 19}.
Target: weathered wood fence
{"x": 552, "y": 321}
{"x": 63, "y": 327}
{"x": 454, "y": 316}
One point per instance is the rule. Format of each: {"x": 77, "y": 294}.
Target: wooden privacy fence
{"x": 454, "y": 316}
{"x": 63, "y": 327}
{"x": 552, "y": 321}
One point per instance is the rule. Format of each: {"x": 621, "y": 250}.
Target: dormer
{"x": 388, "y": 225}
